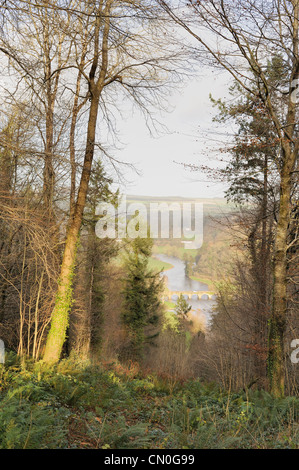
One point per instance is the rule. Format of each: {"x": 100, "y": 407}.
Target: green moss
{"x": 60, "y": 317}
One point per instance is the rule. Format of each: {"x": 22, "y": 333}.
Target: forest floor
{"x": 75, "y": 405}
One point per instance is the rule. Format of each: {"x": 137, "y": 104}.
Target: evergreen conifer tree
{"x": 142, "y": 289}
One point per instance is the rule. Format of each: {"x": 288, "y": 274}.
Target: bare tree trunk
{"x": 75, "y": 112}
{"x": 48, "y": 183}
{"x": 261, "y": 275}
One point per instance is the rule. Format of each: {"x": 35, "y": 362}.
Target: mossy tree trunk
{"x": 60, "y": 314}
{"x": 276, "y": 372}
{"x": 289, "y": 152}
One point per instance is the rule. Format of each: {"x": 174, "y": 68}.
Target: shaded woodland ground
{"x": 115, "y": 407}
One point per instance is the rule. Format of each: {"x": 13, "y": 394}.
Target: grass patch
{"x": 177, "y": 251}
{"x": 169, "y": 305}
{"x": 156, "y": 265}
{"x": 204, "y": 280}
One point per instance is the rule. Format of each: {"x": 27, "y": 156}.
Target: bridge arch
{"x": 199, "y": 295}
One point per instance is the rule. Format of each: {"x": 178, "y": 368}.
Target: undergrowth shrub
{"x": 75, "y": 405}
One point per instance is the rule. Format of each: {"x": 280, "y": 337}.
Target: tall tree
{"x": 59, "y": 323}
{"x": 129, "y": 55}
{"x": 142, "y": 290}
{"x": 35, "y": 40}
{"x": 251, "y": 175}
{"x": 238, "y": 36}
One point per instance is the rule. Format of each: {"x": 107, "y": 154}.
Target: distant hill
{"x": 212, "y": 206}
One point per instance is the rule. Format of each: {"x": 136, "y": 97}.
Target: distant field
{"x": 154, "y": 264}
{"x": 157, "y": 265}
{"x": 204, "y": 280}
{"x": 173, "y": 250}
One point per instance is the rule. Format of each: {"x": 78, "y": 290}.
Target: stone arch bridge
{"x": 189, "y": 295}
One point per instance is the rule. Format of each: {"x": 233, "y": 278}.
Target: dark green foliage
{"x": 256, "y": 148}
{"x": 76, "y": 406}
{"x": 182, "y": 309}
{"x": 142, "y": 289}
{"x": 31, "y": 416}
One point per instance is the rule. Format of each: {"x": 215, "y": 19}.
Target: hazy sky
{"x": 194, "y": 139}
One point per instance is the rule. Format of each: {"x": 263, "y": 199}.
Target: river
{"x": 178, "y": 281}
